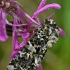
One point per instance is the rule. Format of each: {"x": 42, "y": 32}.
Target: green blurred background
{"x": 58, "y": 57}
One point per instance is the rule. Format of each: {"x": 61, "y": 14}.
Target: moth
{"x": 33, "y": 53}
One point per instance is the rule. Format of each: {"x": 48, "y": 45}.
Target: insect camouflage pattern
{"x": 33, "y": 53}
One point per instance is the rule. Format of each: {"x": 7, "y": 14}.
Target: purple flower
{"x": 26, "y": 30}
{"x": 34, "y": 18}
{"x": 25, "y": 33}
{"x": 11, "y": 7}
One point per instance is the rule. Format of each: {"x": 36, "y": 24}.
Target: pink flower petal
{"x": 15, "y": 40}
{"x": 54, "y": 5}
{"x": 50, "y": 15}
{"x": 39, "y": 23}
{"x": 14, "y": 53}
{"x": 25, "y": 41}
{"x": 3, "y": 34}
{"x": 40, "y": 67}
{"x": 21, "y": 14}
{"x": 31, "y": 18}
{"x": 41, "y": 4}
{"x": 14, "y": 24}
{"x": 62, "y": 33}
